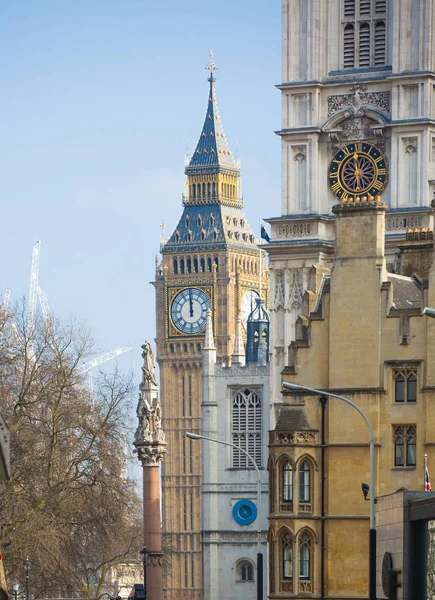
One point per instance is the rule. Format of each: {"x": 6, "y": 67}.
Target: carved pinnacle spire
{"x": 211, "y": 67}
{"x": 209, "y": 340}
{"x": 238, "y": 357}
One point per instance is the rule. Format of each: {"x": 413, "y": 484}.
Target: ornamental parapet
{"x": 287, "y": 438}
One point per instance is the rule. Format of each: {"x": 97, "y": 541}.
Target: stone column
{"x": 151, "y": 446}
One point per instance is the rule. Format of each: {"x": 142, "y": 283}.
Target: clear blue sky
{"x": 98, "y": 101}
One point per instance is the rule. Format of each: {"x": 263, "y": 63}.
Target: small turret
{"x": 258, "y": 325}
{"x": 238, "y": 357}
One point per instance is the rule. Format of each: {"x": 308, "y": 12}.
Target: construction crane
{"x": 6, "y": 301}
{"x": 33, "y": 292}
{"x": 102, "y": 359}
{"x": 44, "y": 306}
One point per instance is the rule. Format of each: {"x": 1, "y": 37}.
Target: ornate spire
{"x": 238, "y": 357}
{"x": 212, "y": 151}
{"x": 209, "y": 340}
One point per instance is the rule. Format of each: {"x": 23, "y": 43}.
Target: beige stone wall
{"x": 352, "y": 349}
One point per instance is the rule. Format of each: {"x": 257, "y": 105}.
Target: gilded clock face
{"x": 189, "y": 310}
{"x": 248, "y": 305}
{"x": 357, "y": 169}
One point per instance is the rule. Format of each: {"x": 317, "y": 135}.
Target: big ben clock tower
{"x": 211, "y": 261}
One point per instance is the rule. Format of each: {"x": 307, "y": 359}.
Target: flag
{"x": 427, "y": 487}
{"x": 264, "y": 234}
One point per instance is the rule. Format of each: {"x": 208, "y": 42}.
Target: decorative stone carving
{"x": 410, "y": 144}
{"x": 285, "y": 438}
{"x": 278, "y": 297}
{"x": 403, "y": 223}
{"x": 295, "y": 290}
{"x": 149, "y": 437}
{"x": 357, "y": 98}
{"x": 294, "y": 230}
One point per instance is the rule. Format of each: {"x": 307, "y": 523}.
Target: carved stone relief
{"x": 278, "y": 296}
{"x": 410, "y": 144}
{"x": 294, "y": 229}
{"x": 294, "y": 299}
{"x": 357, "y": 98}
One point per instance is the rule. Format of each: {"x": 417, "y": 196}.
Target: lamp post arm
{"x": 295, "y": 386}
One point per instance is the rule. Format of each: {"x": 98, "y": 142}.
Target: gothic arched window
{"x": 195, "y": 265}
{"x": 304, "y": 481}
{"x": 175, "y": 266}
{"x": 364, "y": 35}
{"x": 286, "y": 556}
{"x": 287, "y": 482}
{"x": 380, "y": 43}
{"x": 246, "y": 428}
{"x": 305, "y": 548}
{"x": 202, "y": 262}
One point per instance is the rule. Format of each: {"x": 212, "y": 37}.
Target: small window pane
{"x": 400, "y": 389}
{"x": 287, "y": 564}
{"x": 304, "y": 562}
{"x": 398, "y": 453}
{"x": 250, "y": 573}
{"x": 410, "y": 453}
{"x": 304, "y": 482}
{"x": 288, "y": 483}
{"x": 412, "y": 389}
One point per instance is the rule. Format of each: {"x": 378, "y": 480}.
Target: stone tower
{"x": 151, "y": 446}
{"x": 235, "y": 410}
{"x": 353, "y": 71}
{"x": 211, "y": 261}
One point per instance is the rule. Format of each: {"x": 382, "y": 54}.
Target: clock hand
{"x": 191, "y": 303}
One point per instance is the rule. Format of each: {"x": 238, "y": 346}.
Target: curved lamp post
{"x": 372, "y": 532}
{"x": 195, "y": 436}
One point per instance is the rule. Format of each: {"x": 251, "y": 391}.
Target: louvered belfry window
{"x": 364, "y": 33}
{"x": 246, "y": 425}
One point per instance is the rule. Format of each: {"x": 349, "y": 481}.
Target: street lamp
{"x": 195, "y": 436}
{"x": 27, "y": 571}
{"x": 372, "y": 532}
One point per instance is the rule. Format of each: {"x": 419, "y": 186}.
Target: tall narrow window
{"x": 405, "y": 438}
{"x": 175, "y": 265}
{"x": 349, "y": 47}
{"x": 304, "y": 481}
{"x": 364, "y": 45}
{"x": 380, "y": 44}
{"x": 305, "y": 556}
{"x": 190, "y": 394}
{"x": 287, "y": 483}
{"x": 246, "y": 427}
{"x": 287, "y": 557}
{"x": 202, "y": 262}
{"x": 181, "y": 265}
{"x": 195, "y": 265}
{"x": 189, "y": 265}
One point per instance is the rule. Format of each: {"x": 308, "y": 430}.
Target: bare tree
{"x": 68, "y": 506}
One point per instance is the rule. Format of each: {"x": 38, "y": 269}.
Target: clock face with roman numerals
{"x": 189, "y": 310}
{"x": 358, "y": 169}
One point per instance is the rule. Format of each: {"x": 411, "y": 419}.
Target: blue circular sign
{"x": 244, "y": 512}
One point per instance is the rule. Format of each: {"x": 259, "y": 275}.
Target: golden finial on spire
{"x": 211, "y": 67}
{"x": 162, "y": 236}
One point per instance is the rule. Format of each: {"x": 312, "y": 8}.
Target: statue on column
{"x": 149, "y": 431}
{"x": 149, "y": 365}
